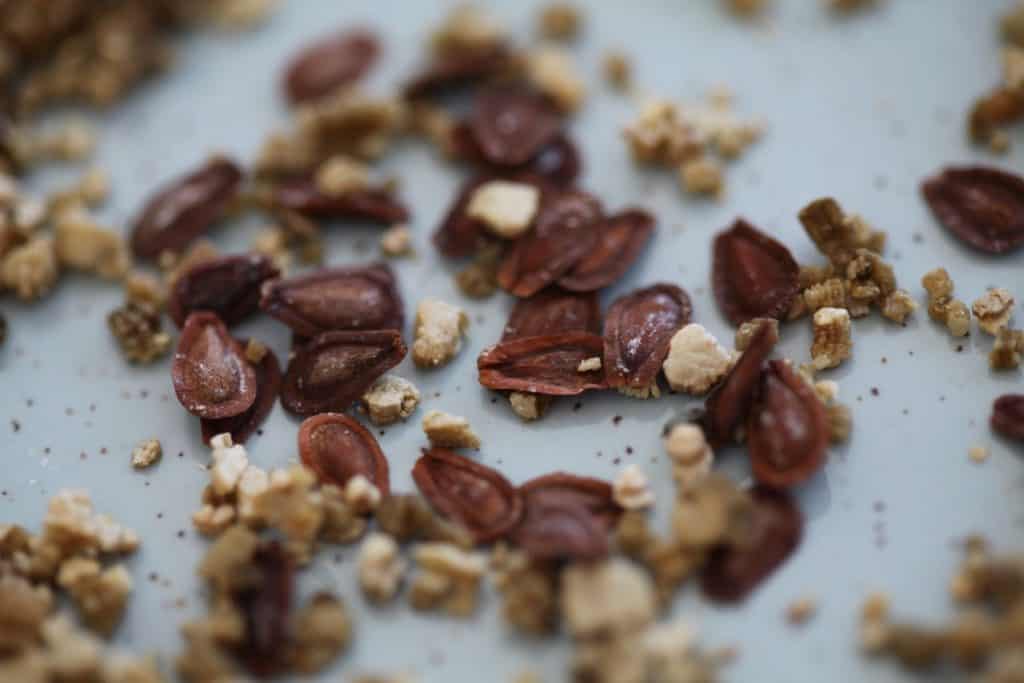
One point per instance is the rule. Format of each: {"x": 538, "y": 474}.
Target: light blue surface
{"x": 861, "y": 109}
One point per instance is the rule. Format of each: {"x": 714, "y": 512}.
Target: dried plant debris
{"x": 146, "y": 454}
{"x": 942, "y": 307}
{"x": 993, "y": 310}
{"x": 832, "y": 343}
{"x": 1007, "y": 349}
{"x": 138, "y": 331}
{"x": 617, "y": 69}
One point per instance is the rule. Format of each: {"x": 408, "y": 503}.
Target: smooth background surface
{"x": 861, "y": 109}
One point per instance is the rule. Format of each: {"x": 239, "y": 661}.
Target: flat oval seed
{"x": 228, "y": 286}
{"x": 329, "y": 63}
{"x": 620, "y": 240}
{"x": 266, "y": 609}
{"x": 338, "y": 448}
{"x": 981, "y": 205}
{"x": 727, "y": 405}
{"x": 551, "y": 312}
{"x": 511, "y": 124}
{"x": 546, "y": 365}
{"x": 211, "y": 377}
{"x": 1008, "y": 416}
{"x": 637, "y": 331}
{"x": 242, "y": 426}
{"x": 593, "y": 494}
{"x": 753, "y": 275}
{"x": 302, "y": 196}
{"x": 451, "y": 71}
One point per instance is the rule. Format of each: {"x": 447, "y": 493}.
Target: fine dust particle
{"x": 978, "y": 454}
{"x": 181, "y": 533}
{"x": 15, "y": 426}
{"x": 576, "y": 406}
{"x": 874, "y": 391}
{"x": 617, "y": 461}
{"x": 616, "y": 420}
{"x": 629, "y": 450}
{"x": 801, "y": 610}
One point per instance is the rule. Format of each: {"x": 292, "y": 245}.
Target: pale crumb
{"x": 506, "y": 208}
{"x": 31, "y": 269}
{"x": 692, "y": 457}
{"x": 439, "y": 329}
{"x": 451, "y": 560}
{"x": 589, "y": 364}
{"x": 1013, "y": 68}
{"x": 255, "y": 351}
{"x": 958, "y": 318}
{"x": 99, "y": 594}
{"x": 631, "y": 489}
{"x": 745, "y": 332}
{"x": 745, "y": 8}
{"x": 840, "y": 421}
{"x": 978, "y": 454}
{"x": 695, "y": 361}
{"x": 361, "y": 495}
{"x": 830, "y": 293}
{"x": 1007, "y": 349}
{"x": 993, "y": 310}
{"x": 213, "y": 520}
{"x": 145, "y": 289}
{"x": 436, "y": 124}
{"x": 801, "y": 610}
{"x": 29, "y": 215}
{"x": 1011, "y": 24}
{"x": 240, "y": 15}
{"x": 627, "y": 598}
{"x": 702, "y": 176}
{"x": 273, "y": 242}
{"x": 827, "y": 390}
{"x": 146, "y": 453}
{"x": 1000, "y": 142}
{"x": 253, "y": 483}
{"x": 529, "y": 407}
{"x": 552, "y": 71}
{"x": 449, "y": 431}
{"x": 661, "y": 136}
{"x": 898, "y": 305}
{"x": 559, "y": 21}
{"x": 448, "y": 577}
{"x": 229, "y": 461}
{"x": 467, "y": 28}
{"x": 390, "y": 398}
{"x": 82, "y": 244}
{"x": 74, "y": 526}
{"x": 396, "y": 241}
{"x": 669, "y": 641}
{"x": 875, "y": 607}
{"x": 341, "y": 175}
{"x": 874, "y": 627}
{"x": 617, "y": 70}
{"x": 832, "y": 343}
{"x": 381, "y": 568}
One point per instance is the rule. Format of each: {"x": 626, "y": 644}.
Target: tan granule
{"x": 1013, "y": 68}
{"x": 73, "y": 525}
{"x": 589, "y": 364}
{"x": 273, "y": 243}
{"x": 942, "y": 307}
{"x": 321, "y": 630}
{"x": 528, "y": 407}
{"x": 695, "y": 361}
{"x": 529, "y": 591}
{"x": 341, "y": 524}
{"x": 31, "y": 269}
{"x": 898, "y": 306}
{"x": 702, "y": 176}
{"x": 874, "y": 613}
{"x": 144, "y": 289}
{"x": 449, "y": 431}
{"x": 448, "y": 578}
{"x": 840, "y": 421}
{"x": 710, "y": 512}
{"x": 255, "y": 351}
{"x": 631, "y": 490}
{"x": 99, "y": 594}
{"x": 146, "y": 453}
{"x": 229, "y": 461}
{"x": 227, "y": 558}
{"x": 136, "y": 327}
{"x": 849, "y": 5}
{"x": 238, "y": 15}
{"x": 479, "y": 279}
{"x": 91, "y": 189}
{"x": 467, "y": 29}
{"x": 745, "y": 332}
{"x": 73, "y": 140}
{"x": 389, "y": 399}
{"x": 837, "y": 235}
{"x": 832, "y": 343}
{"x": 692, "y": 457}
{"x": 660, "y": 136}
{"x": 361, "y": 495}
{"x": 506, "y": 208}
{"x": 1007, "y": 349}
{"x": 958, "y": 318}
{"x": 70, "y": 654}
{"x": 978, "y": 454}
{"x": 341, "y": 175}
{"x": 552, "y": 71}
{"x": 746, "y": 8}
{"x": 627, "y": 603}
{"x": 381, "y": 568}
{"x": 23, "y": 608}
{"x": 435, "y": 124}
{"x": 801, "y": 610}
{"x": 642, "y": 393}
{"x": 830, "y": 293}
{"x": 439, "y": 329}
{"x": 213, "y": 520}
{"x": 993, "y": 310}
{"x": 1011, "y": 25}
{"x": 396, "y": 242}
{"x": 559, "y": 21}
{"x": 292, "y": 506}
{"x": 811, "y": 275}
{"x": 617, "y": 69}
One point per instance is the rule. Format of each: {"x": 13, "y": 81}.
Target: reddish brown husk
{"x": 637, "y": 331}
{"x": 620, "y": 240}
{"x": 562, "y": 234}
{"x": 753, "y": 276}
{"x": 211, "y": 377}
{"x": 553, "y": 311}
{"x": 473, "y": 495}
{"x": 242, "y": 426}
{"x": 593, "y": 494}
{"x": 458, "y": 235}
{"x": 266, "y": 608}
{"x": 349, "y": 299}
{"x": 982, "y": 205}
{"x": 375, "y": 205}
{"x": 542, "y": 365}
{"x": 184, "y": 209}
{"x": 734, "y": 571}
{"x": 456, "y": 70}
{"x": 728, "y": 404}
{"x": 329, "y": 63}
{"x": 787, "y": 429}
{"x": 511, "y": 125}
{"x": 228, "y": 286}
{"x": 338, "y": 448}
{"x": 1008, "y": 416}
{"x": 557, "y": 162}
{"x": 555, "y": 530}
{"x": 334, "y": 369}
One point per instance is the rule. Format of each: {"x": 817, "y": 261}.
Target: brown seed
{"x": 736, "y": 569}
{"x": 301, "y": 195}
{"x": 242, "y": 426}
{"x": 1001, "y": 107}
{"x": 228, "y": 286}
{"x": 637, "y": 331}
{"x": 593, "y": 494}
{"x": 456, "y": 70}
{"x": 468, "y": 493}
{"x": 982, "y": 205}
{"x": 753, "y": 276}
{"x": 511, "y": 124}
{"x": 266, "y": 607}
{"x": 787, "y": 429}
{"x": 185, "y": 209}
{"x": 334, "y": 369}
{"x": 551, "y": 312}
{"x": 459, "y": 235}
{"x": 620, "y": 240}
{"x": 350, "y": 298}
{"x": 557, "y": 162}
{"x": 557, "y": 530}
{"x": 338, "y": 448}
{"x": 211, "y": 377}
{"x": 329, "y": 63}
{"x": 545, "y": 365}
{"x": 563, "y": 233}
{"x": 1008, "y": 416}
{"x": 728, "y": 404}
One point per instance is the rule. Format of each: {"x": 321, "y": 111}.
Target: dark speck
{"x": 879, "y": 506}
{"x": 154, "y": 577}
{"x": 494, "y": 399}
{"x": 917, "y": 238}
{"x": 92, "y": 407}
{"x": 181, "y": 454}
{"x": 437, "y": 394}
{"x": 69, "y": 411}
{"x": 29, "y": 402}
{"x": 881, "y": 182}
{"x": 15, "y": 425}
{"x": 629, "y": 450}
{"x": 143, "y": 393}
{"x": 959, "y": 348}
{"x": 616, "y": 420}
{"x": 906, "y": 411}
{"x": 181, "y": 533}
{"x": 874, "y": 391}
{"x": 884, "y": 359}
{"x": 46, "y": 450}
{"x": 576, "y": 406}
{"x": 159, "y": 515}
{"x": 146, "y": 483}
{"x": 103, "y": 451}
{"x": 259, "y": 432}
{"x": 616, "y": 461}
{"x": 83, "y": 456}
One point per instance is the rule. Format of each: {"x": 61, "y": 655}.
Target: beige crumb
{"x": 631, "y": 489}
{"x": 439, "y": 329}
{"x": 146, "y": 453}
{"x": 617, "y": 70}
{"x": 702, "y": 176}
{"x": 229, "y": 461}
{"x": 830, "y": 293}
{"x": 559, "y": 21}
{"x": 31, "y": 269}
{"x": 506, "y": 208}
{"x": 467, "y": 28}
{"x": 898, "y": 306}
{"x": 449, "y": 431}
{"x": 832, "y": 343}
{"x": 396, "y": 242}
{"x": 341, "y": 175}
{"x": 1013, "y": 68}
{"x": 589, "y": 364}
{"x": 321, "y": 630}
{"x": 435, "y": 124}
{"x": 695, "y": 361}
{"x": 99, "y": 594}
{"x": 381, "y": 568}
{"x": 661, "y": 136}
{"x": 942, "y": 307}
{"x": 529, "y": 407}
{"x": 628, "y": 604}
{"x": 746, "y": 8}
{"x": 993, "y": 310}
{"x": 136, "y": 327}
{"x": 978, "y": 454}
{"x": 479, "y": 279}
{"x": 552, "y": 71}
{"x": 692, "y": 457}
{"x": 1011, "y": 24}
{"x": 213, "y": 520}
{"x": 390, "y": 398}
{"x": 143, "y": 288}
{"x": 361, "y": 495}
{"x": 74, "y": 526}
{"x": 448, "y": 577}
{"x": 801, "y": 610}
{"x": 1007, "y": 349}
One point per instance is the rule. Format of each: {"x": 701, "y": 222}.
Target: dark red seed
{"x": 637, "y": 331}
{"x": 327, "y": 64}
{"x": 729, "y": 403}
{"x": 348, "y": 298}
{"x": 545, "y": 365}
{"x": 211, "y": 377}
{"x": 335, "y": 368}
{"x": 753, "y": 276}
{"x": 557, "y": 162}
{"x": 787, "y": 429}
{"x": 466, "y": 492}
{"x": 338, "y": 448}
{"x": 1008, "y": 416}
{"x": 620, "y": 239}
{"x": 511, "y": 125}
{"x": 457, "y": 70}
{"x": 185, "y": 209}
{"x": 553, "y": 311}
{"x": 563, "y": 233}
{"x": 734, "y": 571}
{"x": 228, "y": 286}
{"x": 301, "y": 194}
{"x": 242, "y": 426}
{"x": 266, "y": 609}
{"x": 982, "y": 205}
{"x": 595, "y": 495}
{"x": 556, "y": 530}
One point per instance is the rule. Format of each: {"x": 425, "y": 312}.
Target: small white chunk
{"x": 505, "y": 207}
